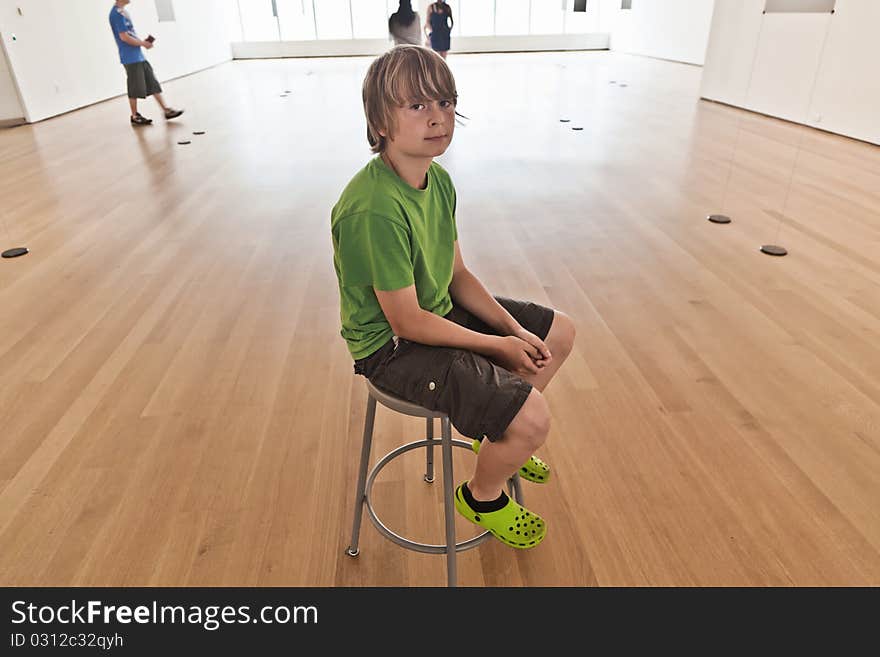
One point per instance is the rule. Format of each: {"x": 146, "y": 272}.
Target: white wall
{"x": 10, "y": 108}
{"x": 846, "y": 96}
{"x": 65, "y": 56}
{"x": 815, "y": 69}
{"x": 667, "y": 29}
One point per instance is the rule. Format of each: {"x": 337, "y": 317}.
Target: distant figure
{"x": 142, "y": 81}
{"x": 438, "y": 26}
{"x": 403, "y": 26}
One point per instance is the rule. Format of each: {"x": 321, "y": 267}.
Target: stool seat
{"x": 365, "y": 481}
{"x": 401, "y": 405}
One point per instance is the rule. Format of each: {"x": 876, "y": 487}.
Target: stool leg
{"x": 448, "y": 493}
{"x": 517, "y": 488}
{"x": 429, "y": 467}
{"x": 362, "y": 476}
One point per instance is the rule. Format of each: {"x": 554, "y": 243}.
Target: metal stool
{"x": 365, "y": 482}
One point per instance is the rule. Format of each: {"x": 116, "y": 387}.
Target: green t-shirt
{"x": 388, "y": 235}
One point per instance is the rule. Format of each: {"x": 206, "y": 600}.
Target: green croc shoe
{"x": 534, "y": 469}
{"x": 512, "y": 524}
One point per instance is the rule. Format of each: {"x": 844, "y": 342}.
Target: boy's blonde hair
{"x": 402, "y": 75}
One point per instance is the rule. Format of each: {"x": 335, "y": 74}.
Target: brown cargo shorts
{"x": 480, "y": 397}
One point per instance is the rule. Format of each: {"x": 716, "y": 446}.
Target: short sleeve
{"x": 117, "y": 20}
{"x": 375, "y": 251}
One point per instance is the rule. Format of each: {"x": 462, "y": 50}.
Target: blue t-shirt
{"x": 120, "y": 22}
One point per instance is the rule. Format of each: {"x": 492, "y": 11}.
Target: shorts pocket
{"x": 418, "y": 373}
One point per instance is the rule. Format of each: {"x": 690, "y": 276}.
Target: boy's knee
{"x": 532, "y": 423}
{"x": 565, "y": 331}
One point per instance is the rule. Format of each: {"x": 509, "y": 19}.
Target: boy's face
{"x": 423, "y": 128}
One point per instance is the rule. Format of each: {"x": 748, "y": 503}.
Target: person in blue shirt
{"x": 142, "y": 81}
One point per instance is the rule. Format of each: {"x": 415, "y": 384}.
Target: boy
{"x": 141, "y": 80}
{"x": 417, "y": 322}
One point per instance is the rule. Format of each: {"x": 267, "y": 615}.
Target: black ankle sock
{"x": 483, "y": 507}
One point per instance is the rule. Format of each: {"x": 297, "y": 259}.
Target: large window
{"x": 582, "y": 22}
{"x": 370, "y": 17}
{"x": 333, "y": 19}
{"x": 258, "y": 20}
{"x": 296, "y": 19}
{"x": 548, "y": 17}
{"x": 305, "y": 20}
{"x": 512, "y": 17}
{"x": 475, "y": 17}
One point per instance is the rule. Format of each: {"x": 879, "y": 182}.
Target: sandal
{"x": 512, "y": 524}
{"x": 137, "y": 119}
{"x": 172, "y": 113}
{"x": 534, "y": 469}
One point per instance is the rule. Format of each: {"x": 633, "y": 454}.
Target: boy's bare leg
{"x": 497, "y": 461}
{"x": 133, "y": 104}
{"x": 164, "y": 107}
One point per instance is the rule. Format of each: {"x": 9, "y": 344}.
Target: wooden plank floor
{"x": 177, "y": 407}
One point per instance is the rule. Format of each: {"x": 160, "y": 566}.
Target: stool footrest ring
{"x": 405, "y": 542}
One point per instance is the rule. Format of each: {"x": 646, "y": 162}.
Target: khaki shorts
{"x": 480, "y": 397}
